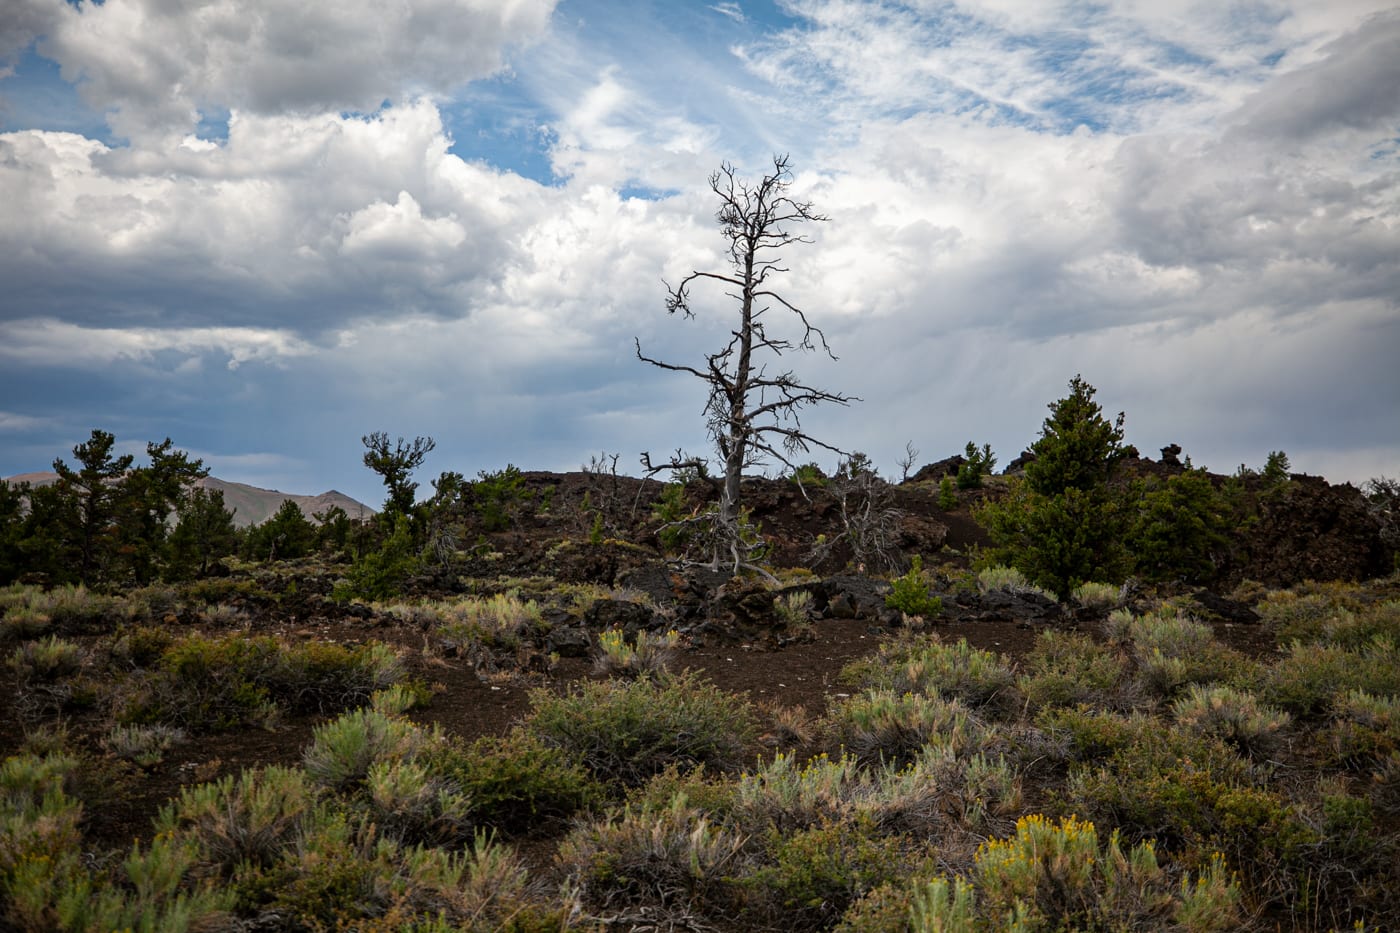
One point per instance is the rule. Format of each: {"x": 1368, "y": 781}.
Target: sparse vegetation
{"x": 910, "y": 593}
{"x": 1142, "y": 752}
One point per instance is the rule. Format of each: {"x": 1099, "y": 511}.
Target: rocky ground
{"x": 729, "y": 627}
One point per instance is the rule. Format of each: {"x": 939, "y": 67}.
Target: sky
{"x": 266, "y": 228}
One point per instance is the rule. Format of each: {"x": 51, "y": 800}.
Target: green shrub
{"x": 342, "y": 751}
{"x": 324, "y": 677}
{"x": 409, "y": 804}
{"x": 154, "y": 890}
{"x": 647, "y": 656}
{"x": 1070, "y": 669}
{"x": 219, "y": 683}
{"x": 794, "y": 608}
{"x": 1174, "y": 651}
{"x": 790, "y": 795}
{"x": 39, "y": 819}
{"x": 500, "y": 621}
{"x": 45, "y": 661}
{"x": 1309, "y": 680}
{"x": 346, "y": 876}
{"x": 999, "y": 578}
{"x": 23, "y": 622}
{"x": 400, "y": 698}
{"x": 74, "y": 609}
{"x": 1059, "y": 876}
{"x": 910, "y": 593}
{"x": 254, "y": 818}
{"x": 924, "y": 664}
{"x": 672, "y": 859}
{"x": 514, "y": 783}
{"x": 945, "y": 790}
{"x": 880, "y": 726}
{"x": 203, "y": 683}
{"x": 628, "y": 731}
{"x": 1097, "y": 595}
{"x": 1330, "y": 617}
{"x": 140, "y": 646}
{"x": 1365, "y": 729}
{"x": 1195, "y": 796}
{"x": 814, "y": 875}
{"x": 143, "y": 745}
{"x": 1089, "y": 734}
{"x": 1234, "y": 716}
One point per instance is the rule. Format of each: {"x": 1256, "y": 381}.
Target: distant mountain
{"x": 249, "y": 504}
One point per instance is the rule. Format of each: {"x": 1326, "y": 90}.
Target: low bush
{"x": 411, "y": 805}
{"x": 1002, "y": 579}
{"x": 628, "y": 731}
{"x": 345, "y": 875}
{"x": 514, "y": 782}
{"x": 1058, "y": 875}
{"x": 648, "y": 655}
{"x": 1174, "y": 651}
{"x": 1070, "y": 669}
{"x": 1234, "y": 716}
{"x": 342, "y": 751}
{"x": 46, "y": 660}
{"x": 76, "y": 609}
{"x": 910, "y": 593}
{"x": 1197, "y": 797}
{"x": 924, "y": 664}
{"x": 882, "y": 727}
{"x": 1298, "y": 615}
{"x": 810, "y": 877}
{"x": 1365, "y": 729}
{"x": 203, "y": 683}
{"x": 144, "y": 746}
{"x": 22, "y": 622}
{"x": 1090, "y": 734}
{"x": 943, "y": 792}
{"x": 1098, "y": 596}
{"x": 1311, "y": 678}
{"x": 794, "y": 608}
{"x": 255, "y": 818}
{"x": 636, "y": 863}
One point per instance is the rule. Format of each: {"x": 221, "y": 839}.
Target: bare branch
{"x": 751, "y": 416}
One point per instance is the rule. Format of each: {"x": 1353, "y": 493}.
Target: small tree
{"x": 1180, "y": 531}
{"x": 287, "y": 535}
{"x": 752, "y": 413}
{"x": 978, "y": 463}
{"x": 396, "y": 468}
{"x": 204, "y": 534}
{"x": 1062, "y": 525}
{"x": 149, "y": 496}
{"x": 93, "y": 490}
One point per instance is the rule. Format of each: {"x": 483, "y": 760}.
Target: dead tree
{"x": 751, "y": 413}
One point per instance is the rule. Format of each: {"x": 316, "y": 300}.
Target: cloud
{"x": 297, "y": 222}
{"x": 23, "y": 22}
{"x": 156, "y": 65}
{"x": 47, "y": 342}
{"x": 1352, "y": 87}
{"x": 1017, "y": 192}
{"x": 731, "y": 10}
{"x": 9, "y": 421}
